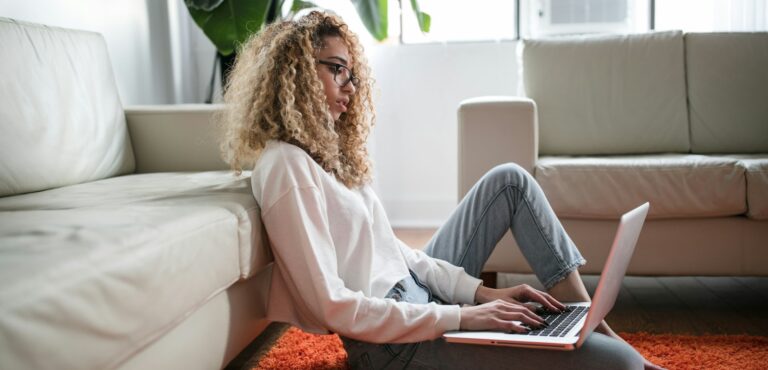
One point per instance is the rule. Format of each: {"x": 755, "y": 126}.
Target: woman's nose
{"x": 349, "y": 88}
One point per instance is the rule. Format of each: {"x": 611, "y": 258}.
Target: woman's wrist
{"x": 483, "y": 294}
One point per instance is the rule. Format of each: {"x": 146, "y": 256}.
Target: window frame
{"x": 517, "y": 19}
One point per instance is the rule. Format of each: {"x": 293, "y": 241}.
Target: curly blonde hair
{"x": 274, "y": 93}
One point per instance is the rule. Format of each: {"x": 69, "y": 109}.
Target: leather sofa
{"x": 124, "y": 241}
{"x": 609, "y": 122}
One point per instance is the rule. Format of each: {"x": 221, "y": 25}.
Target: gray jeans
{"x": 507, "y": 197}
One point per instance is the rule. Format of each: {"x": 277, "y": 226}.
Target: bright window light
{"x": 457, "y": 21}
{"x": 712, "y": 15}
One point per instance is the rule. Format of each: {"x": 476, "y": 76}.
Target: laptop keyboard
{"x": 560, "y": 323}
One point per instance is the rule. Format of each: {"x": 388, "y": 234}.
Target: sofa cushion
{"x": 727, "y": 91}
{"x": 676, "y": 185}
{"x": 756, "y": 171}
{"x": 113, "y": 264}
{"x": 619, "y": 94}
{"x": 62, "y": 121}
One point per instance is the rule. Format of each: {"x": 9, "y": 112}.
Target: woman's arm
{"x": 304, "y": 250}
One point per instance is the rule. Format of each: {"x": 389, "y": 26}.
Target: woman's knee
{"x": 610, "y": 353}
{"x": 508, "y": 174}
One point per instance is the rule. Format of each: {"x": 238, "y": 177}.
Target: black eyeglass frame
{"x": 352, "y": 78}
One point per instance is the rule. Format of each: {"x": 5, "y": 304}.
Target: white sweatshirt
{"x": 337, "y": 257}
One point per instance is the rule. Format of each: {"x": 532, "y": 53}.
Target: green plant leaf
{"x": 301, "y": 4}
{"x": 424, "y": 19}
{"x": 232, "y": 22}
{"x": 206, "y": 5}
{"x": 373, "y": 13}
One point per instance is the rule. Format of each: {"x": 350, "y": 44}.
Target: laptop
{"x": 569, "y": 330}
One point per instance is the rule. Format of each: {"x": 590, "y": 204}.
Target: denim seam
{"x": 542, "y": 233}
{"x": 476, "y": 227}
{"x": 389, "y": 350}
{"x": 399, "y": 356}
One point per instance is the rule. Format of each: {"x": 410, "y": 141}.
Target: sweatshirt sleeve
{"x": 451, "y": 283}
{"x": 302, "y": 245}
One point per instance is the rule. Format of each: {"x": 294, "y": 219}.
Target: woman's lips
{"x": 342, "y": 106}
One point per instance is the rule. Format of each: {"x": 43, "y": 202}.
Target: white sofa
{"x": 124, "y": 241}
{"x": 608, "y": 122}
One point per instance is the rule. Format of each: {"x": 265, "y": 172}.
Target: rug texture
{"x": 299, "y": 350}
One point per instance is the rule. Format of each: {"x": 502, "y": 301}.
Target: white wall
{"x": 415, "y": 138}
{"x": 192, "y": 57}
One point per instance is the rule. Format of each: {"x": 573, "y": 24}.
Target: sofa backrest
{"x": 728, "y": 91}
{"x": 61, "y": 121}
{"x": 611, "y": 94}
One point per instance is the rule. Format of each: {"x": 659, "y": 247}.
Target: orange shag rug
{"x": 299, "y": 350}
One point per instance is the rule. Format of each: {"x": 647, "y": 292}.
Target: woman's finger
{"x": 554, "y": 302}
{"x": 520, "y": 313}
{"x": 549, "y": 302}
{"x": 534, "y": 295}
{"x": 511, "y": 327}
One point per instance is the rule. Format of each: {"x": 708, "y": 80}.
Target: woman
{"x": 299, "y": 107}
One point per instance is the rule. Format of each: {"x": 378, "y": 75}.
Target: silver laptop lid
{"x": 615, "y": 267}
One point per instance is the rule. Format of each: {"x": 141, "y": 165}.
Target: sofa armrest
{"x": 495, "y": 130}
{"x": 169, "y": 138}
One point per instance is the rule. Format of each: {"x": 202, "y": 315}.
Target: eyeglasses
{"x": 341, "y": 74}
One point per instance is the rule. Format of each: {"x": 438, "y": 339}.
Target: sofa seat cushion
{"x": 676, "y": 185}
{"x": 756, "y": 167}
{"x": 111, "y": 265}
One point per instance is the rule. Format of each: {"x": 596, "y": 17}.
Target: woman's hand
{"x": 520, "y": 294}
{"x": 502, "y": 309}
{"x": 499, "y": 315}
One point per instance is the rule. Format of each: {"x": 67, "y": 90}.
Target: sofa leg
{"x": 489, "y": 278}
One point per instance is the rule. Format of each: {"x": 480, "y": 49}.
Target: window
{"x": 495, "y": 20}
{"x": 489, "y": 20}
{"x": 711, "y": 15}
{"x": 457, "y": 21}
{"x": 558, "y": 17}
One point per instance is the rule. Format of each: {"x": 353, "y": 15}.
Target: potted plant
{"x": 229, "y": 23}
